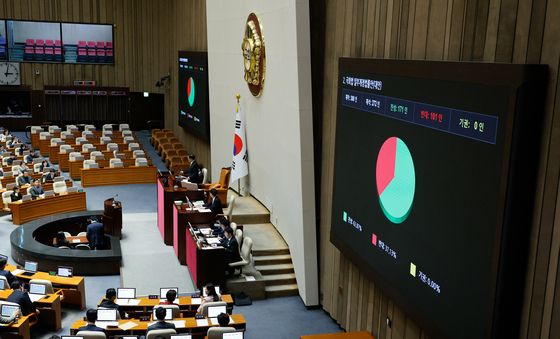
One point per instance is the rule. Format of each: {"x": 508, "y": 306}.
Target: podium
{"x": 112, "y": 217}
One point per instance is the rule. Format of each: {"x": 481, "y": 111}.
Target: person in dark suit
{"x": 49, "y": 176}
{"x": 109, "y": 301}
{"x": 161, "y": 324}
{"x": 219, "y": 230}
{"x": 61, "y": 240}
{"x": 193, "y": 172}
{"x": 20, "y": 297}
{"x": 215, "y": 205}
{"x": 25, "y": 179}
{"x": 36, "y": 190}
{"x": 16, "y": 195}
{"x": 9, "y": 276}
{"x": 231, "y": 249}
{"x": 96, "y": 235}
{"x": 91, "y": 316}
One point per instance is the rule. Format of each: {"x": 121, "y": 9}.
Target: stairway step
{"x": 272, "y": 259}
{"x": 275, "y": 269}
{"x": 271, "y": 251}
{"x": 280, "y": 279}
{"x": 281, "y": 290}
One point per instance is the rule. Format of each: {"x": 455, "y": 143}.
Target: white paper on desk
{"x": 133, "y": 302}
{"x": 250, "y": 278}
{"x": 231, "y": 320}
{"x": 213, "y": 240}
{"x": 35, "y": 297}
{"x": 178, "y": 323}
{"x": 196, "y": 301}
{"x": 16, "y": 272}
{"x": 214, "y": 321}
{"x": 201, "y": 322}
{"x": 75, "y": 240}
{"x": 127, "y": 326}
{"x": 204, "y": 210}
{"x": 206, "y": 231}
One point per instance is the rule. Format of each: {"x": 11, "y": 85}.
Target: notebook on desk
{"x": 215, "y": 311}
{"x": 37, "y": 292}
{"x": 30, "y": 268}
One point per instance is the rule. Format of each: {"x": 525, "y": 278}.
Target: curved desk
{"x": 26, "y": 245}
{"x": 118, "y": 176}
{"x": 30, "y": 210}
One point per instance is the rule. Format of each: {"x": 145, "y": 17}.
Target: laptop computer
{"x": 8, "y": 310}
{"x": 64, "y": 271}
{"x": 37, "y": 291}
{"x": 107, "y": 317}
{"x": 168, "y": 314}
{"x": 163, "y": 292}
{"x": 233, "y": 335}
{"x": 180, "y": 336}
{"x": 72, "y": 189}
{"x": 126, "y": 293}
{"x": 26, "y": 197}
{"x": 49, "y": 193}
{"x": 30, "y": 268}
{"x": 215, "y": 311}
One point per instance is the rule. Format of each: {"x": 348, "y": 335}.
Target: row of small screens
{"x": 130, "y": 292}
{"x": 230, "y": 335}
{"x": 31, "y": 267}
{"x": 104, "y": 314}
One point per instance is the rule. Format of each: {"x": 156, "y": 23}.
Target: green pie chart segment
{"x": 396, "y": 180}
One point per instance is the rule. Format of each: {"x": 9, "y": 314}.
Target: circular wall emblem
{"x": 254, "y": 55}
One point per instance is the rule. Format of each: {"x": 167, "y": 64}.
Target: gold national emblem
{"x": 253, "y": 55}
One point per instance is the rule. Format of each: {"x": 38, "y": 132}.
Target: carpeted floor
{"x": 148, "y": 264}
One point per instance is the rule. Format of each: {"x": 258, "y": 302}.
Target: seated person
{"x": 211, "y": 296}
{"x": 36, "y": 190}
{"x": 95, "y": 235}
{"x": 109, "y": 302}
{"x": 215, "y": 205}
{"x": 231, "y": 249}
{"x": 219, "y": 231}
{"x": 16, "y": 195}
{"x": 161, "y": 324}
{"x": 25, "y": 179}
{"x": 28, "y": 159}
{"x": 6, "y": 273}
{"x": 223, "y": 320}
{"x": 169, "y": 298}
{"x": 61, "y": 240}
{"x": 20, "y": 297}
{"x": 20, "y": 149}
{"x": 44, "y": 163}
{"x": 91, "y": 316}
{"x": 48, "y": 177}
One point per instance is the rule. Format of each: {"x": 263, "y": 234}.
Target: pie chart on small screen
{"x": 395, "y": 179}
{"x": 190, "y": 91}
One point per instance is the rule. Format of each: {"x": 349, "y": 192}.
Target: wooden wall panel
{"x": 520, "y": 31}
{"x": 147, "y": 36}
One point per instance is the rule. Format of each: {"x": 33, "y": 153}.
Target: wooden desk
{"x": 345, "y": 335}
{"x": 181, "y": 217}
{"x": 205, "y": 264}
{"x": 76, "y": 166}
{"x": 75, "y": 240}
{"x": 142, "y": 326}
{"x": 73, "y": 289}
{"x": 51, "y": 311}
{"x": 118, "y": 176}
{"x": 166, "y": 196}
{"x": 23, "y": 212}
{"x": 19, "y": 329}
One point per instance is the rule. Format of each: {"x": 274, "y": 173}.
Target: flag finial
{"x": 238, "y": 96}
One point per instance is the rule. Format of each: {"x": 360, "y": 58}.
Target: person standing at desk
{"x": 20, "y": 297}
{"x": 215, "y": 205}
{"x": 36, "y": 190}
{"x": 161, "y": 324}
{"x": 91, "y": 316}
{"x": 96, "y": 235}
{"x": 9, "y": 276}
{"x": 193, "y": 172}
{"x": 231, "y": 249}
{"x": 16, "y": 195}
{"x": 25, "y": 179}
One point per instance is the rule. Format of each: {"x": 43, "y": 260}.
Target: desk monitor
{"x": 94, "y": 165}
{"x": 189, "y": 185}
{"x": 168, "y": 314}
{"x": 30, "y": 266}
{"x": 71, "y": 337}
{"x": 72, "y": 189}
{"x": 37, "y": 289}
{"x": 126, "y": 293}
{"x": 8, "y": 310}
{"x": 59, "y": 178}
{"x": 163, "y": 291}
{"x": 37, "y": 160}
{"x": 104, "y": 314}
{"x": 233, "y": 335}
{"x": 10, "y": 186}
{"x": 16, "y": 163}
{"x": 46, "y": 169}
{"x": 180, "y": 336}
{"x": 214, "y": 311}
{"x": 64, "y": 271}
{"x": 26, "y": 197}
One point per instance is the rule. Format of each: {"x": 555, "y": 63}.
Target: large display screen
{"x": 422, "y": 194}
{"x": 193, "y": 93}
{"x": 45, "y": 41}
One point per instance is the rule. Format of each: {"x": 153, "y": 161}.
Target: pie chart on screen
{"x": 190, "y": 91}
{"x": 395, "y": 179}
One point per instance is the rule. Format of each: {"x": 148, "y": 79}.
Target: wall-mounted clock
{"x": 9, "y": 73}
{"x": 253, "y": 55}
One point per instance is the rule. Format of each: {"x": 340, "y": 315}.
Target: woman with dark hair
{"x": 44, "y": 163}
{"x": 61, "y": 240}
{"x": 211, "y": 296}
